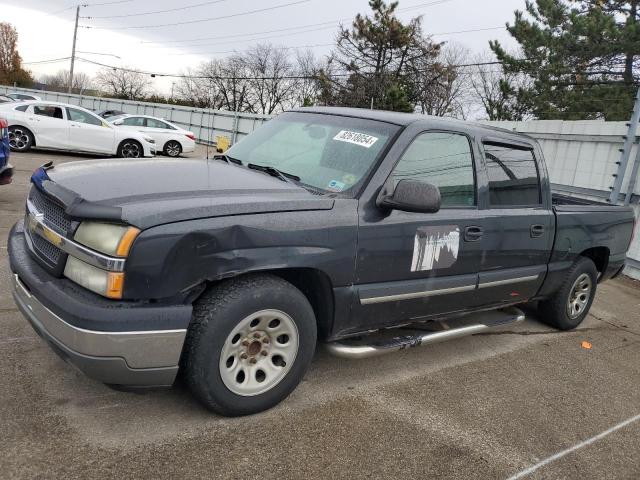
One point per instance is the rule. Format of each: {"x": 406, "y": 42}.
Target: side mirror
{"x": 410, "y": 196}
{"x": 118, "y": 122}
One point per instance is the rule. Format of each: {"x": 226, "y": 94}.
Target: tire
{"x": 20, "y": 139}
{"x": 575, "y": 295}
{"x": 130, "y": 149}
{"x": 172, "y": 149}
{"x": 238, "y": 326}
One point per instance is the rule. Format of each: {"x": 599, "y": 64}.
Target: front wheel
{"x": 130, "y": 149}
{"x": 249, "y": 344}
{"x": 20, "y": 139}
{"x": 568, "y": 307}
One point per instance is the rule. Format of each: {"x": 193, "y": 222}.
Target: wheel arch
{"x": 599, "y": 256}
{"x": 314, "y": 284}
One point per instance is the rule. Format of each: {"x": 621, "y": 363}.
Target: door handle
{"x": 536, "y": 231}
{"x": 473, "y": 233}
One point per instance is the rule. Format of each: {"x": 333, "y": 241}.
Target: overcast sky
{"x": 171, "y": 41}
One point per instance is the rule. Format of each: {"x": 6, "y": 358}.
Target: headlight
{"x": 108, "y": 284}
{"x": 148, "y": 139}
{"x": 107, "y": 238}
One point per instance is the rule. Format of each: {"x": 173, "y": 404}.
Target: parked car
{"x": 6, "y": 170}
{"x": 22, "y": 96}
{"x": 325, "y": 222}
{"x": 59, "y": 126}
{"x": 6, "y": 99}
{"x": 109, "y": 113}
{"x": 170, "y": 139}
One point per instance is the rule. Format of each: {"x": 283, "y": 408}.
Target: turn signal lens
{"x": 115, "y": 284}
{"x": 126, "y": 241}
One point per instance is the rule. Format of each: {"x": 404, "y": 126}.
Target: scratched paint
{"x": 435, "y": 247}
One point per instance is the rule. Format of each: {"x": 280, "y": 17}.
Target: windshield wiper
{"x": 274, "y": 172}
{"x": 227, "y": 158}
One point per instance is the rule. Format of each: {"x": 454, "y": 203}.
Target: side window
{"x": 134, "y": 121}
{"x": 48, "y": 111}
{"x": 82, "y": 117}
{"x": 442, "y": 159}
{"x": 513, "y": 176}
{"x": 153, "y": 123}
{"x": 22, "y": 108}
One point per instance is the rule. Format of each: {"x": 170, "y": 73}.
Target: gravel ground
{"x": 486, "y": 406}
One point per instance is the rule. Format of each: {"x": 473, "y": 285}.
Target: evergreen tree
{"x": 379, "y": 55}
{"x": 582, "y": 56}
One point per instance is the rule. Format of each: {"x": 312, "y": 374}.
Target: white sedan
{"x": 170, "y": 139}
{"x": 60, "y": 126}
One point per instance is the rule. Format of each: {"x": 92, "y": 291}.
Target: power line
{"x": 188, "y": 22}
{"x": 332, "y": 22}
{"x": 255, "y": 39}
{"x": 53, "y": 60}
{"x": 284, "y": 77}
{"x": 184, "y": 7}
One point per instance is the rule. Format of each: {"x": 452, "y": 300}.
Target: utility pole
{"x": 73, "y": 49}
{"x": 629, "y": 140}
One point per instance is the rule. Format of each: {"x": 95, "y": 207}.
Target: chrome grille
{"x": 54, "y": 214}
{"x": 48, "y": 251}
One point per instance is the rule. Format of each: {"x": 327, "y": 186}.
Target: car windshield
{"x": 327, "y": 152}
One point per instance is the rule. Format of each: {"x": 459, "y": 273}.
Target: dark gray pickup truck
{"x": 371, "y": 231}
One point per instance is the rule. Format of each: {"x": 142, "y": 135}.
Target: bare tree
{"x": 11, "y": 70}
{"x": 271, "y": 88}
{"x": 496, "y": 90}
{"x": 309, "y": 87}
{"x": 123, "y": 83}
{"x": 59, "y": 81}
{"x": 195, "y": 90}
{"x": 443, "y": 89}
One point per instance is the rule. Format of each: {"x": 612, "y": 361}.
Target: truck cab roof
{"x": 429, "y": 121}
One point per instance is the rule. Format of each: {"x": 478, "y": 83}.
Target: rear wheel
{"x": 20, "y": 139}
{"x": 568, "y": 307}
{"x": 249, "y": 344}
{"x": 172, "y": 148}
{"x": 130, "y": 149}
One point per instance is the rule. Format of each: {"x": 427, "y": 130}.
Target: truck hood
{"x": 149, "y": 192}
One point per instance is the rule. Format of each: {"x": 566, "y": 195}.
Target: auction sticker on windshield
{"x": 356, "y": 138}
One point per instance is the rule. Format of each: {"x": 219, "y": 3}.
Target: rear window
{"x": 513, "y": 175}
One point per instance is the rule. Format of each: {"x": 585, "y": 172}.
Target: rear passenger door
{"x": 519, "y": 223}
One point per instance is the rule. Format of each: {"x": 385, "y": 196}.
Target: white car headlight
{"x": 148, "y": 139}
{"x": 107, "y": 238}
{"x": 108, "y": 284}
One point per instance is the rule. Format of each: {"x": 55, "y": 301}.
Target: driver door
{"x": 417, "y": 265}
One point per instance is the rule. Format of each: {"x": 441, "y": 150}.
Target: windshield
{"x": 327, "y": 152}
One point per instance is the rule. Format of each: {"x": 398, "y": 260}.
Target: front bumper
{"x": 92, "y": 333}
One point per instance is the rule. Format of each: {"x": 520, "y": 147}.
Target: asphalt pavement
{"x": 523, "y": 402}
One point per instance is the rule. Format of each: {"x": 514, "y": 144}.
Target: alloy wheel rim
{"x": 130, "y": 150}
{"x": 579, "y": 296}
{"x": 18, "y": 139}
{"x": 173, "y": 149}
{"x": 259, "y": 352}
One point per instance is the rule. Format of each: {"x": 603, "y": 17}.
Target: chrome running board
{"x": 388, "y": 341}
